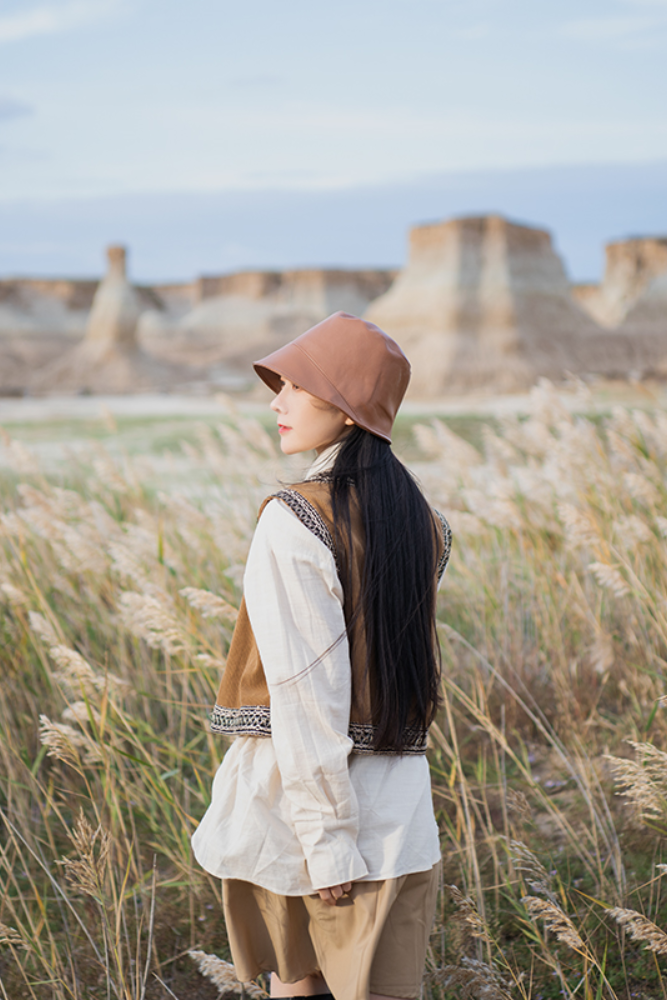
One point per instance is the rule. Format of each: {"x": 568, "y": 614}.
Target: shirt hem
{"x": 371, "y": 876}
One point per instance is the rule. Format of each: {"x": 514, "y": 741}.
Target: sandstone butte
{"x": 108, "y": 358}
{"x": 632, "y": 267}
{"x": 484, "y": 302}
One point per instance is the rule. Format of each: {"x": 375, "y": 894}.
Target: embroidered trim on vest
{"x": 251, "y": 720}
{"x": 447, "y": 543}
{"x": 308, "y": 515}
{"x": 361, "y": 734}
{"x": 255, "y": 720}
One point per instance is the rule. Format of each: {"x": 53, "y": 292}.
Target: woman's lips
{"x": 283, "y": 428}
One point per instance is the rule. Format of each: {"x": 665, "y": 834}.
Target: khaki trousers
{"x": 373, "y": 941}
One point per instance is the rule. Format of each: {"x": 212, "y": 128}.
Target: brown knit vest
{"x": 243, "y": 704}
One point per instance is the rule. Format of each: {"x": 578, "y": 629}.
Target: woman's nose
{"x": 276, "y": 403}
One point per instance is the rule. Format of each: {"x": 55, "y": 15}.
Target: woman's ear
{"x": 349, "y": 422}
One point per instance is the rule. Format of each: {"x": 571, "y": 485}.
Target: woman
{"x": 321, "y": 823}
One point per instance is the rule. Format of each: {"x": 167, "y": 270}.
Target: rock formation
{"x": 239, "y": 317}
{"x": 39, "y": 320}
{"x": 33, "y": 306}
{"x": 647, "y": 316}
{"x": 108, "y": 359}
{"x": 128, "y": 337}
{"x": 116, "y": 309}
{"x": 484, "y": 302}
{"x": 631, "y": 267}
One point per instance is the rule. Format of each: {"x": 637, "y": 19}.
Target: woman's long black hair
{"x": 398, "y": 583}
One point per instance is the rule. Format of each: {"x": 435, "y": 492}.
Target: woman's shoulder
{"x": 309, "y": 502}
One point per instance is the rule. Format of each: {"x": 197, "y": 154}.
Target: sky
{"x": 212, "y": 135}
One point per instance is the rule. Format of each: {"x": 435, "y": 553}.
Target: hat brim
{"x": 293, "y": 363}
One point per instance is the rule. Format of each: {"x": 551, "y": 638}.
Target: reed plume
{"x": 67, "y": 744}
{"x": 222, "y": 975}
{"x": 471, "y": 980}
{"x": 153, "y": 621}
{"x": 88, "y": 871}
{"x": 558, "y": 922}
{"x": 11, "y": 937}
{"x": 643, "y": 780}
{"x": 535, "y": 874}
{"x": 640, "y": 928}
{"x": 210, "y": 605}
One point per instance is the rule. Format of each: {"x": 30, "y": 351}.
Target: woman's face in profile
{"x": 306, "y": 422}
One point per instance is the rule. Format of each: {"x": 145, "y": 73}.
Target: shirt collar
{"x": 324, "y": 461}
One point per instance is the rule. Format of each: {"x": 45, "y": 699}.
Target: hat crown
{"x": 348, "y": 362}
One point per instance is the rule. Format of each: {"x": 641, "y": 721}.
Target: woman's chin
{"x": 289, "y": 448}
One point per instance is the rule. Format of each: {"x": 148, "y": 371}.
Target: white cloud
{"x": 51, "y": 19}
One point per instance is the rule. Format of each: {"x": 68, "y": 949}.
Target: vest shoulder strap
{"x": 308, "y": 514}
{"x": 446, "y": 543}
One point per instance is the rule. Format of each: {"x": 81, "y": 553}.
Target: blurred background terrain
{"x": 488, "y": 180}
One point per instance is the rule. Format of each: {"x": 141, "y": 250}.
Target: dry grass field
{"x": 120, "y": 572}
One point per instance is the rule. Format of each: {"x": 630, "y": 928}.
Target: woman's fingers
{"x": 333, "y": 894}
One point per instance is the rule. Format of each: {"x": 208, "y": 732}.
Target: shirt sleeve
{"x": 295, "y": 605}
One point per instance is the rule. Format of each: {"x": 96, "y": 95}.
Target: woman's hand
{"x": 331, "y": 895}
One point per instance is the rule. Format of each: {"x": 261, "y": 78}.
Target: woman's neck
{"x": 324, "y": 460}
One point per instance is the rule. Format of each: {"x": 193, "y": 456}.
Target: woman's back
{"x": 264, "y": 797}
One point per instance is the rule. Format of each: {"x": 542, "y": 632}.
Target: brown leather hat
{"x": 349, "y": 363}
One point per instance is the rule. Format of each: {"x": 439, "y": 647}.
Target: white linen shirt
{"x": 298, "y": 812}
